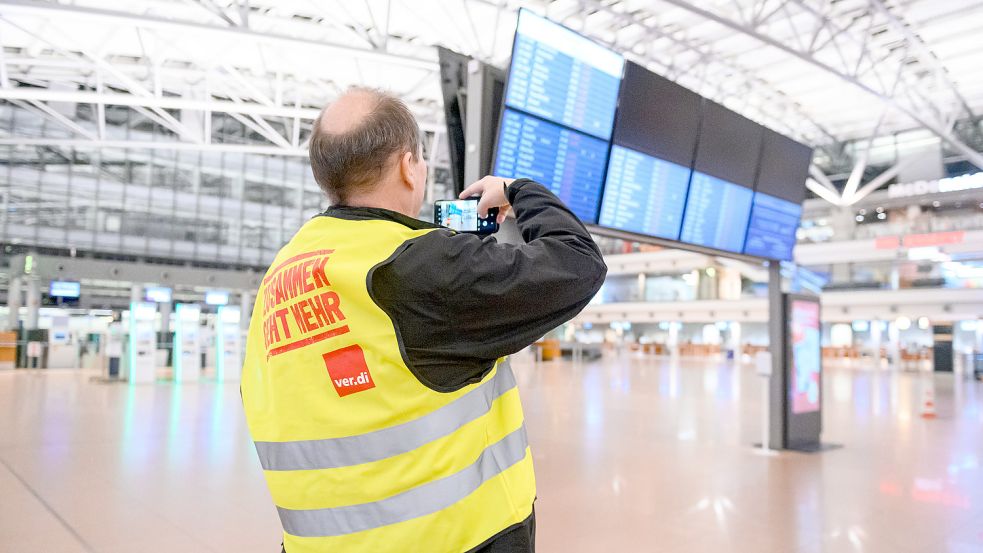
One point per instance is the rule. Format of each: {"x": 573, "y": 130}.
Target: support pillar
{"x": 165, "y": 316}
{"x": 875, "y": 339}
{"x": 33, "y": 304}
{"x": 776, "y": 345}
{"x": 894, "y": 345}
{"x": 14, "y": 303}
{"x": 245, "y": 310}
{"x": 673, "y": 344}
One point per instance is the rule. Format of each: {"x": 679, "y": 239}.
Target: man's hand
{"x": 492, "y": 192}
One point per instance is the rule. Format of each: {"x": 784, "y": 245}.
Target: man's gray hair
{"x": 350, "y": 162}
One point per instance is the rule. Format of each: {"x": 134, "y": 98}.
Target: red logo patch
{"x": 348, "y": 371}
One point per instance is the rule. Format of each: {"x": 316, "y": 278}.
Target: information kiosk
{"x": 187, "y": 343}
{"x": 142, "y": 345}
{"x": 228, "y": 343}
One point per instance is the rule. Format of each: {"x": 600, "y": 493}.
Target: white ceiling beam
{"x": 925, "y": 55}
{"x": 75, "y": 14}
{"x": 823, "y": 192}
{"x": 822, "y": 179}
{"x": 974, "y": 157}
{"x": 153, "y": 145}
{"x": 169, "y": 123}
{"x": 178, "y": 103}
{"x": 707, "y": 57}
{"x": 853, "y": 181}
{"x": 880, "y": 180}
{"x": 52, "y": 115}
{"x": 268, "y": 134}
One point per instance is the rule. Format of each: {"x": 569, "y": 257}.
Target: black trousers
{"x": 520, "y": 538}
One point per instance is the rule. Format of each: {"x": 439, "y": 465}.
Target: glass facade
{"x": 185, "y": 204}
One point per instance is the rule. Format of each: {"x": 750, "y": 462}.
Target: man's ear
{"x": 406, "y": 169}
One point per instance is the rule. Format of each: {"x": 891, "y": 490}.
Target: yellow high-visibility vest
{"x": 358, "y": 454}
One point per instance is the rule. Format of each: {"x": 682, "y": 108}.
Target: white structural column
{"x": 673, "y": 342}
{"x": 894, "y": 345}
{"x": 33, "y": 303}
{"x": 136, "y": 293}
{"x": 734, "y": 339}
{"x": 876, "y": 328}
{"x": 245, "y": 309}
{"x": 165, "y": 316}
{"x": 13, "y": 303}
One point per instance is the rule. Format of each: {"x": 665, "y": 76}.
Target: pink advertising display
{"x": 805, "y": 334}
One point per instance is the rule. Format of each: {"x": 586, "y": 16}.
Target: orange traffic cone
{"x": 928, "y": 402}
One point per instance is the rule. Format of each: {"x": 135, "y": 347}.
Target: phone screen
{"x": 462, "y": 216}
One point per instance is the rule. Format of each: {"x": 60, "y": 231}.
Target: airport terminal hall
{"x": 491, "y": 276}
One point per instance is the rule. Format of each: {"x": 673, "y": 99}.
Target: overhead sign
{"x": 216, "y": 297}
{"x": 64, "y": 289}
{"x": 949, "y": 184}
{"x": 920, "y": 240}
{"x": 158, "y": 294}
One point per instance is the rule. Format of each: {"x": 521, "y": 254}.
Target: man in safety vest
{"x": 376, "y": 383}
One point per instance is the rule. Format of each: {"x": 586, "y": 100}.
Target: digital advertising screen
{"x": 563, "y": 77}
{"x": 64, "y": 289}
{"x": 644, "y": 194}
{"x": 771, "y": 230}
{"x": 717, "y": 213}
{"x": 804, "y": 335}
{"x": 569, "y": 163}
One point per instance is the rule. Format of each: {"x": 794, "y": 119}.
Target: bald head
{"x": 358, "y": 139}
{"x": 348, "y": 111}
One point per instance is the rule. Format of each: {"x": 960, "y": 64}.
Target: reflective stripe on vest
{"x": 420, "y": 501}
{"x": 388, "y": 442}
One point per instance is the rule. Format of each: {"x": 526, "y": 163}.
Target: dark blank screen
{"x": 729, "y": 145}
{"x": 784, "y": 167}
{"x": 657, "y": 116}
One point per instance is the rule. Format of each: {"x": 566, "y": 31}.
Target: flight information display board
{"x": 654, "y": 138}
{"x": 569, "y": 163}
{"x": 717, "y": 213}
{"x": 563, "y": 77}
{"x": 771, "y": 230}
{"x": 559, "y": 110}
{"x": 644, "y": 194}
{"x": 718, "y": 206}
{"x": 779, "y": 191}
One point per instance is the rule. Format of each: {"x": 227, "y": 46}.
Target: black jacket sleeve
{"x": 459, "y": 301}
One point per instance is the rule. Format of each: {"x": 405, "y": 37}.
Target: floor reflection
{"x": 632, "y": 453}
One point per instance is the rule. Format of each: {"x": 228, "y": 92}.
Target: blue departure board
{"x": 569, "y": 163}
{"x": 563, "y": 77}
{"x": 716, "y": 214}
{"x": 771, "y": 231}
{"x": 644, "y": 194}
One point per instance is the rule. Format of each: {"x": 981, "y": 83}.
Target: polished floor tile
{"x": 632, "y": 454}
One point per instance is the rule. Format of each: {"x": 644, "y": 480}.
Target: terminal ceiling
{"x": 825, "y": 72}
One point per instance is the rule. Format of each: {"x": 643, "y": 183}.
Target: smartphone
{"x": 462, "y": 216}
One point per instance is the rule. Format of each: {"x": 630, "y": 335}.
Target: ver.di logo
{"x": 348, "y": 370}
